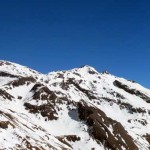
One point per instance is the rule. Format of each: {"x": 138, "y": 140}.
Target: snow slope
{"x": 79, "y": 109}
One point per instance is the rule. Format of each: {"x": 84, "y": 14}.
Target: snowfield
{"x": 78, "y": 109}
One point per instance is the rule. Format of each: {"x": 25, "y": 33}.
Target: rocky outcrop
{"x": 5, "y": 124}
{"x": 45, "y": 110}
{"x": 42, "y": 92}
{"x": 5, "y": 74}
{"x": 5, "y": 95}
{"x": 131, "y": 91}
{"x": 106, "y": 130}
{"x": 66, "y": 139}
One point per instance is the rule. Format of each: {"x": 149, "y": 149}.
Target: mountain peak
{"x": 3, "y": 62}
{"x": 75, "y": 109}
{"x": 88, "y": 68}
{"x": 105, "y": 72}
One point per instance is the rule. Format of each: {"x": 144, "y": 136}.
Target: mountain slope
{"x": 75, "y": 109}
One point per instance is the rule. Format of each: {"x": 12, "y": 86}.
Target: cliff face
{"x": 76, "y": 109}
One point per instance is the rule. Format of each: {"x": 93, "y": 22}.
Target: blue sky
{"x": 49, "y": 35}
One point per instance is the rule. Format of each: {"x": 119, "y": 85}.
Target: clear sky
{"x": 49, "y": 35}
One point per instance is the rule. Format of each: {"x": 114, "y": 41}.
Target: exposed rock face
{"x": 5, "y": 74}
{"x": 132, "y": 91}
{"x": 42, "y": 92}
{"x": 71, "y": 110}
{"x": 45, "y": 110}
{"x": 5, "y": 95}
{"x": 69, "y": 138}
{"x": 22, "y": 81}
{"x": 99, "y": 125}
{"x": 4, "y": 124}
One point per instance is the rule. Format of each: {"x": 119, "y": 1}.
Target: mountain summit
{"x": 78, "y": 109}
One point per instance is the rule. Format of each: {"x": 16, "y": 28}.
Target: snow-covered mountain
{"x": 79, "y": 109}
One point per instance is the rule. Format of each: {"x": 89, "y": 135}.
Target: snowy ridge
{"x": 79, "y": 109}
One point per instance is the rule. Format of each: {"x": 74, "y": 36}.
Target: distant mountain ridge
{"x": 78, "y": 109}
